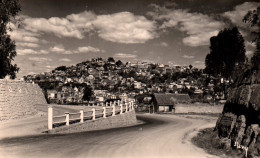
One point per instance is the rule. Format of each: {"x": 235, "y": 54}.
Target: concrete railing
{"x": 110, "y": 110}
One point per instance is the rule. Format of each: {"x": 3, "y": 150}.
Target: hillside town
{"x": 110, "y": 79}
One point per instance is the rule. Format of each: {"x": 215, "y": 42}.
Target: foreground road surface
{"x": 161, "y": 136}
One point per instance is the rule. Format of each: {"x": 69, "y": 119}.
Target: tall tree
{"x": 227, "y": 50}
{"x": 88, "y": 92}
{"x": 253, "y": 17}
{"x": 8, "y": 9}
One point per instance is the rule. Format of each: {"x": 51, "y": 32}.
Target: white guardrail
{"x": 111, "y": 109}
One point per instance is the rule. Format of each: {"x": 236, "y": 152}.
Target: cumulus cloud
{"x": 57, "y": 49}
{"x": 199, "y": 64}
{"x": 30, "y": 51}
{"x": 60, "y": 27}
{"x": 22, "y": 35}
{"x": 250, "y": 44}
{"x": 64, "y": 60}
{"x": 39, "y": 59}
{"x": 32, "y": 45}
{"x": 237, "y": 14}
{"x": 123, "y": 55}
{"x": 249, "y": 53}
{"x": 88, "y": 49}
{"x": 188, "y": 56}
{"x": 125, "y": 27}
{"x": 164, "y": 44}
{"x": 199, "y": 27}
{"x": 122, "y": 27}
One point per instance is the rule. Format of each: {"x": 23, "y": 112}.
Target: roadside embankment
{"x": 18, "y": 99}
{"x": 122, "y": 120}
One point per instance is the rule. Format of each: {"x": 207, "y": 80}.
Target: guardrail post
{"x": 67, "y": 114}
{"x": 104, "y": 112}
{"x": 126, "y": 107}
{"x": 81, "y": 115}
{"x": 93, "y": 113}
{"x": 50, "y": 117}
{"x": 121, "y": 108}
{"x": 106, "y": 103}
{"x": 114, "y": 110}
{"x": 110, "y": 103}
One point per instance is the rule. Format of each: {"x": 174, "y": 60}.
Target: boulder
{"x": 238, "y": 130}
{"x": 240, "y": 118}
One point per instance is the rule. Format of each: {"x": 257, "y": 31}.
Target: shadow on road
{"x": 148, "y": 122}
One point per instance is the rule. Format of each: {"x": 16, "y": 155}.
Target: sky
{"x": 51, "y": 33}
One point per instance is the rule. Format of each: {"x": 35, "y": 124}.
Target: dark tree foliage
{"x": 119, "y": 63}
{"x": 61, "y": 68}
{"x": 8, "y": 9}
{"x": 253, "y": 18}
{"x": 110, "y": 59}
{"x": 227, "y": 50}
{"x": 88, "y": 92}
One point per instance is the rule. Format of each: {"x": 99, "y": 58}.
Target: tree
{"x": 61, "y": 68}
{"x": 119, "y": 63}
{"x": 88, "y": 92}
{"x": 8, "y": 9}
{"x": 227, "y": 50}
{"x": 253, "y": 17}
{"x": 110, "y": 59}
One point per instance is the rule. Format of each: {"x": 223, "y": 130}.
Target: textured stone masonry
{"x": 18, "y": 99}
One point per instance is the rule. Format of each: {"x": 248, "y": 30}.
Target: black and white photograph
{"x": 129, "y": 78}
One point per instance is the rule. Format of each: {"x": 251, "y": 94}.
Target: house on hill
{"x": 165, "y": 102}
{"x": 162, "y": 102}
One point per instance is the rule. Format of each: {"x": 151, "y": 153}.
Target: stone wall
{"x": 122, "y": 120}
{"x": 240, "y": 119}
{"x": 18, "y": 99}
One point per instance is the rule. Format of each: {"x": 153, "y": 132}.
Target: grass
{"x": 198, "y": 108}
{"x": 212, "y": 144}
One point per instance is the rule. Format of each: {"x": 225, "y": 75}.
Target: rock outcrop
{"x": 18, "y": 99}
{"x": 240, "y": 118}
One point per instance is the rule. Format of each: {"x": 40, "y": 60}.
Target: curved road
{"x": 162, "y": 136}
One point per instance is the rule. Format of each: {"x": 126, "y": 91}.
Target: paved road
{"x": 161, "y": 136}
{"x": 31, "y": 125}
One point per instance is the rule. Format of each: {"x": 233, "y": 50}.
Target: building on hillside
{"x": 165, "y": 102}
{"x": 162, "y": 102}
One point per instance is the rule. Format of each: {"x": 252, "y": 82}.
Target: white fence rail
{"x": 111, "y": 109}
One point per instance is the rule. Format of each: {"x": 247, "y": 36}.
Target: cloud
{"x": 164, "y": 44}
{"x": 32, "y": 45}
{"x": 39, "y": 59}
{"x": 250, "y": 44}
{"x": 125, "y": 27}
{"x": 57, "y": 49}
{"x": 122, "y": 27}
{"x": 199, "y": 64}
{"x": 30, "y": 51}
{"x": 249, "y": 53}
{"x": 237, "y": 14}
{"x": 199, "y": 27}
{"x": 61, "y": 27}
{"x": 88, "y": 49}
{"x": 123, "y": 55}
{"x": 64, "y": 60}
{"x": 188, "y": 56}
{"x": 20, "y": 34}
